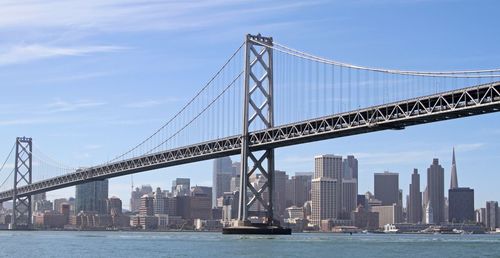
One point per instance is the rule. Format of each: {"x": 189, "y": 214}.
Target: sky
{"x": 89, "y": 79}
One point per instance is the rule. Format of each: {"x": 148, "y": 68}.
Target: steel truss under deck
{"x": 465, "y": 102}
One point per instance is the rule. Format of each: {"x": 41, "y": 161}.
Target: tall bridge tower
{"x": 21, "y": 206}
{"x": 258, "y": 113}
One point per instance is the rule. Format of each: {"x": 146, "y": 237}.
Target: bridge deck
{"x": 465, "y": 102}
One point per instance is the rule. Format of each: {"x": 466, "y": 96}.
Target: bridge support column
{"x": 257, "y": 199}
{"x": 21, "y": 207}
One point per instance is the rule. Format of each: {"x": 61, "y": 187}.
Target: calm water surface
{"x": 182, "y": 244}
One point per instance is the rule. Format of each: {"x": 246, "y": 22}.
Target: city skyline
{"x": 70, "y": 110}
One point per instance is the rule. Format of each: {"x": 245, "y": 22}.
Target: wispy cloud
{"x": 151, "y": 103}
{"x": 134, "y": 14}
{"x": 31, "y": 121}
{"x": 26, "y": 53}
{"x": 65, "y": 106}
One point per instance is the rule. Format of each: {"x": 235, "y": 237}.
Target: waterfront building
{"x": 50, "y": 219}
{"x": 222, "y": 173}
{"x": 460, "y": 205}
{"x": 386, "y": 186}
{"x": 65, "y": 210}
{"x": 388, "y": 214}
{"x": 435, "y": 188}
{"x": 365, "y": 219}
{"x": 492, "y": 215}
{"x": 92, "y": 197}
{"x": 414, "y": 204}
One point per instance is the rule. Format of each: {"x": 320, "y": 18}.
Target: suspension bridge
{"x": 266, "y": 96}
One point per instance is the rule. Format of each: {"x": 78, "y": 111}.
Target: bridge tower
{"x": 258, "y": 112}
{"x": 21, "y": 208}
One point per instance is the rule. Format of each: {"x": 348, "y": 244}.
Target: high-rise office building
{"x": 349, "y": 197}
{"x": 323, "y": 203}
{"x": 331, "y": 166}
{"x": 280, "y": 179}
{"x": 454, "y": 177}
{"x": 181, "y": 187}
{"x": 435, "y": 191}
{"x": 301, "y": 185}
{"x": 160, "y": 202}
{"x": 200, "y": 203}
{"x": 350, "y": 164}
{"x": 135, "y": 197}
{"x": 414, "y": 204}
{"x": 387, "y": 187}
{"x": 492, "y": 216}
{"x": 92, "y": 196}
{"x": 114, "y": 205}
{"x": 461, "y": 205}
{"x": 222, "y": 173}
{"x": 147, "y": 206}
{"x": 326, "y": 189}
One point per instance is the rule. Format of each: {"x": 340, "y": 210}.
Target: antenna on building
{"x": 132, "y": 182}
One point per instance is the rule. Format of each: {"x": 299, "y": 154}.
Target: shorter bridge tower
{"x": 21, "y": 206}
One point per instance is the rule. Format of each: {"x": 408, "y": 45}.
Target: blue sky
{"x": 89, "y": 79}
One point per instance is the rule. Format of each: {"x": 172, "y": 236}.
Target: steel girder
{"x": 460, "y": 103}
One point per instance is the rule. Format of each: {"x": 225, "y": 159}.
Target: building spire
{"x": 454, "y": 178}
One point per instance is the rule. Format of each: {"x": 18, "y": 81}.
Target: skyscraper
{"x": 301, "y": 184}
{"x": 387, "y": 187}
{"x": 135, "y": 197}
{"x": 114, "y": 205}
{"x": 461, "y": 204}
{"x": 415, "y": 199}
{"x": 280, "y": 179}
{"x": 492, "y": 216}
{"x": 160, "y": 202}
{"x": 454, "y": 178}
{"x": 435, "y": 190}
{"x": 349, "y": 197}
{"x": 350, "y": 167}
{"x": 181, "y": 187}
{"x": 323, "y": 199}
{"x": 92, "y": 196}
{"x": 222, "y": 173}
{"x": 328, "y": 175}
